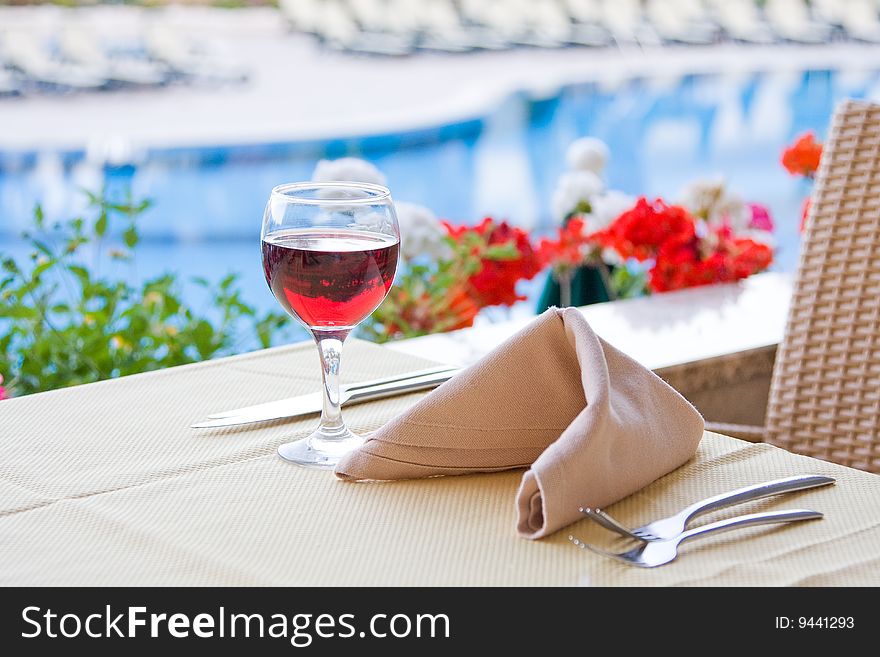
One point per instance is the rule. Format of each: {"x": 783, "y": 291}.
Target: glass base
{"x": 320, "y": 450}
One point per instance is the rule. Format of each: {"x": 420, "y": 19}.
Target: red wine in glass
{"x": 329, "y": 255}
{"x": 329, "y": 279}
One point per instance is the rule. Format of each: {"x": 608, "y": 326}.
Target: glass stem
{"x": 330, "y": 350}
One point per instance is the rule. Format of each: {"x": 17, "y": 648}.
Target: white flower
{"x": 606, "y": 208}
{"x": 709, "y": 199}
{"x": 573, "y": 188}
{"x": 348, "y": 169}
{"x": 420, "y": 232}
{"x": 759, "y": 236}
{"x": 612, "y": 257}
{"x": 372, "y": 221}
{"x": 587, "y": 154}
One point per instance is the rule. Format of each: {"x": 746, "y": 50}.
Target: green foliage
{"x": 435, "y": 297}
{"x": 63, "y": 323}
{"x": 627, "y": 284}
{"x": 583, "y": 207}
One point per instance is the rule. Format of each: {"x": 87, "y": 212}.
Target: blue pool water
{"x": 209, "y": 201}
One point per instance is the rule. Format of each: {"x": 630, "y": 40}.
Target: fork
{"x": 650, "y": 554}
{"x": 674, "y": 525}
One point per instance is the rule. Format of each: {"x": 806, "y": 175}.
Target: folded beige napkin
{"x": 590, "y": 423}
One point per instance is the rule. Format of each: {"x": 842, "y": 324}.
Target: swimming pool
{"x": 662, "y": 134}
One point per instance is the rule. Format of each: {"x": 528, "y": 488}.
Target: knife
{"x": 313, "y": 402}
{"x": 270, "y": 407}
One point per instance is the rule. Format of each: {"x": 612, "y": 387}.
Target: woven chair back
{"x": 825, "y": 393}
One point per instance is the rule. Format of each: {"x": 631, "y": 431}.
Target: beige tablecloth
{"x": 105, "y": 484}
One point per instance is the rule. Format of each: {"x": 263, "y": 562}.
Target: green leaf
{"x": 40, "y": 269}
{"x": 54, "y": 335}
{"x": 94, "y": 199}
{"x": 506, "y": 251}
{"x": 227, "y": 281}
{"x": 130, "y": 236}
{"x": 101, "y": 224}
{"x": 583, "y": 207}
{"x": 19, "y": 311}
{"x": 203, "y": 335}
{"x": 43, "y": 247}
{"x": 628, "y": 284}
{"x": 82, "y": 274}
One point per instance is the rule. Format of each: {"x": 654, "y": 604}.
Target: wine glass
{"x": 329, "y": 255}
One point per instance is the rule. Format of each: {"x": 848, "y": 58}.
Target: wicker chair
{"x": 824, "y": 398}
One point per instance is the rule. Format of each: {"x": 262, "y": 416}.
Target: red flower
{"x": 495, "y": 283}
{"x": 680, "y": 263}
{"x": 460, "y": 308}
{"x": 747, "y": 257}
{"x": 568, "y": 249}
{"x": 805, "y": 212}
{"x": 457, "y": 232}
{"x": 638, "y": 233}
{"x": 682, "y": 258}
{"x": 802, "y": 157}
{"x": 677, "y": 265}
{"x": 425, "y": 313}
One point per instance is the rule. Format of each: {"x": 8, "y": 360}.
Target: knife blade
{"x": 313, "y": 402}
{"x": 271, "y": 407}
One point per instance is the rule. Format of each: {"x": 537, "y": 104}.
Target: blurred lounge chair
{"x": 9, "y": 85}
{"x": 507, "y": 19}
{"x": 586, "y": 17}
{"x": 742, "y": 21}
{"x": 180, "y": 56}
{"x": 369, "y": 14}
{"x": 303, "y": 15}
{"x": 859, "y": 19}
{"x": 442, "y": 29}
{"x": 539, "y": 23}
{"x": 681, "y": 21}
{"x": 548, "y": 24}
{"x": 378, "y": 28}
{"x": 81, "y": 47}
{"x": 351, "y": 26}
{"x": 404, "y": 17}
{"x": 335, "y": 25}
{"x": 625, "y": 21}
{"x": 475, "y": 11}
{"x": 829, "y": 11}
{"x": 791, "y": 21}
{"x": 24, "y": 52}
{"x": 475, "y": 17}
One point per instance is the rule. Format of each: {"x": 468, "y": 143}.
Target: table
{"x": 105, "y": 484}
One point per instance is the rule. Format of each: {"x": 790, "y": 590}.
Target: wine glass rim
{"x": 374, "y": 193}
